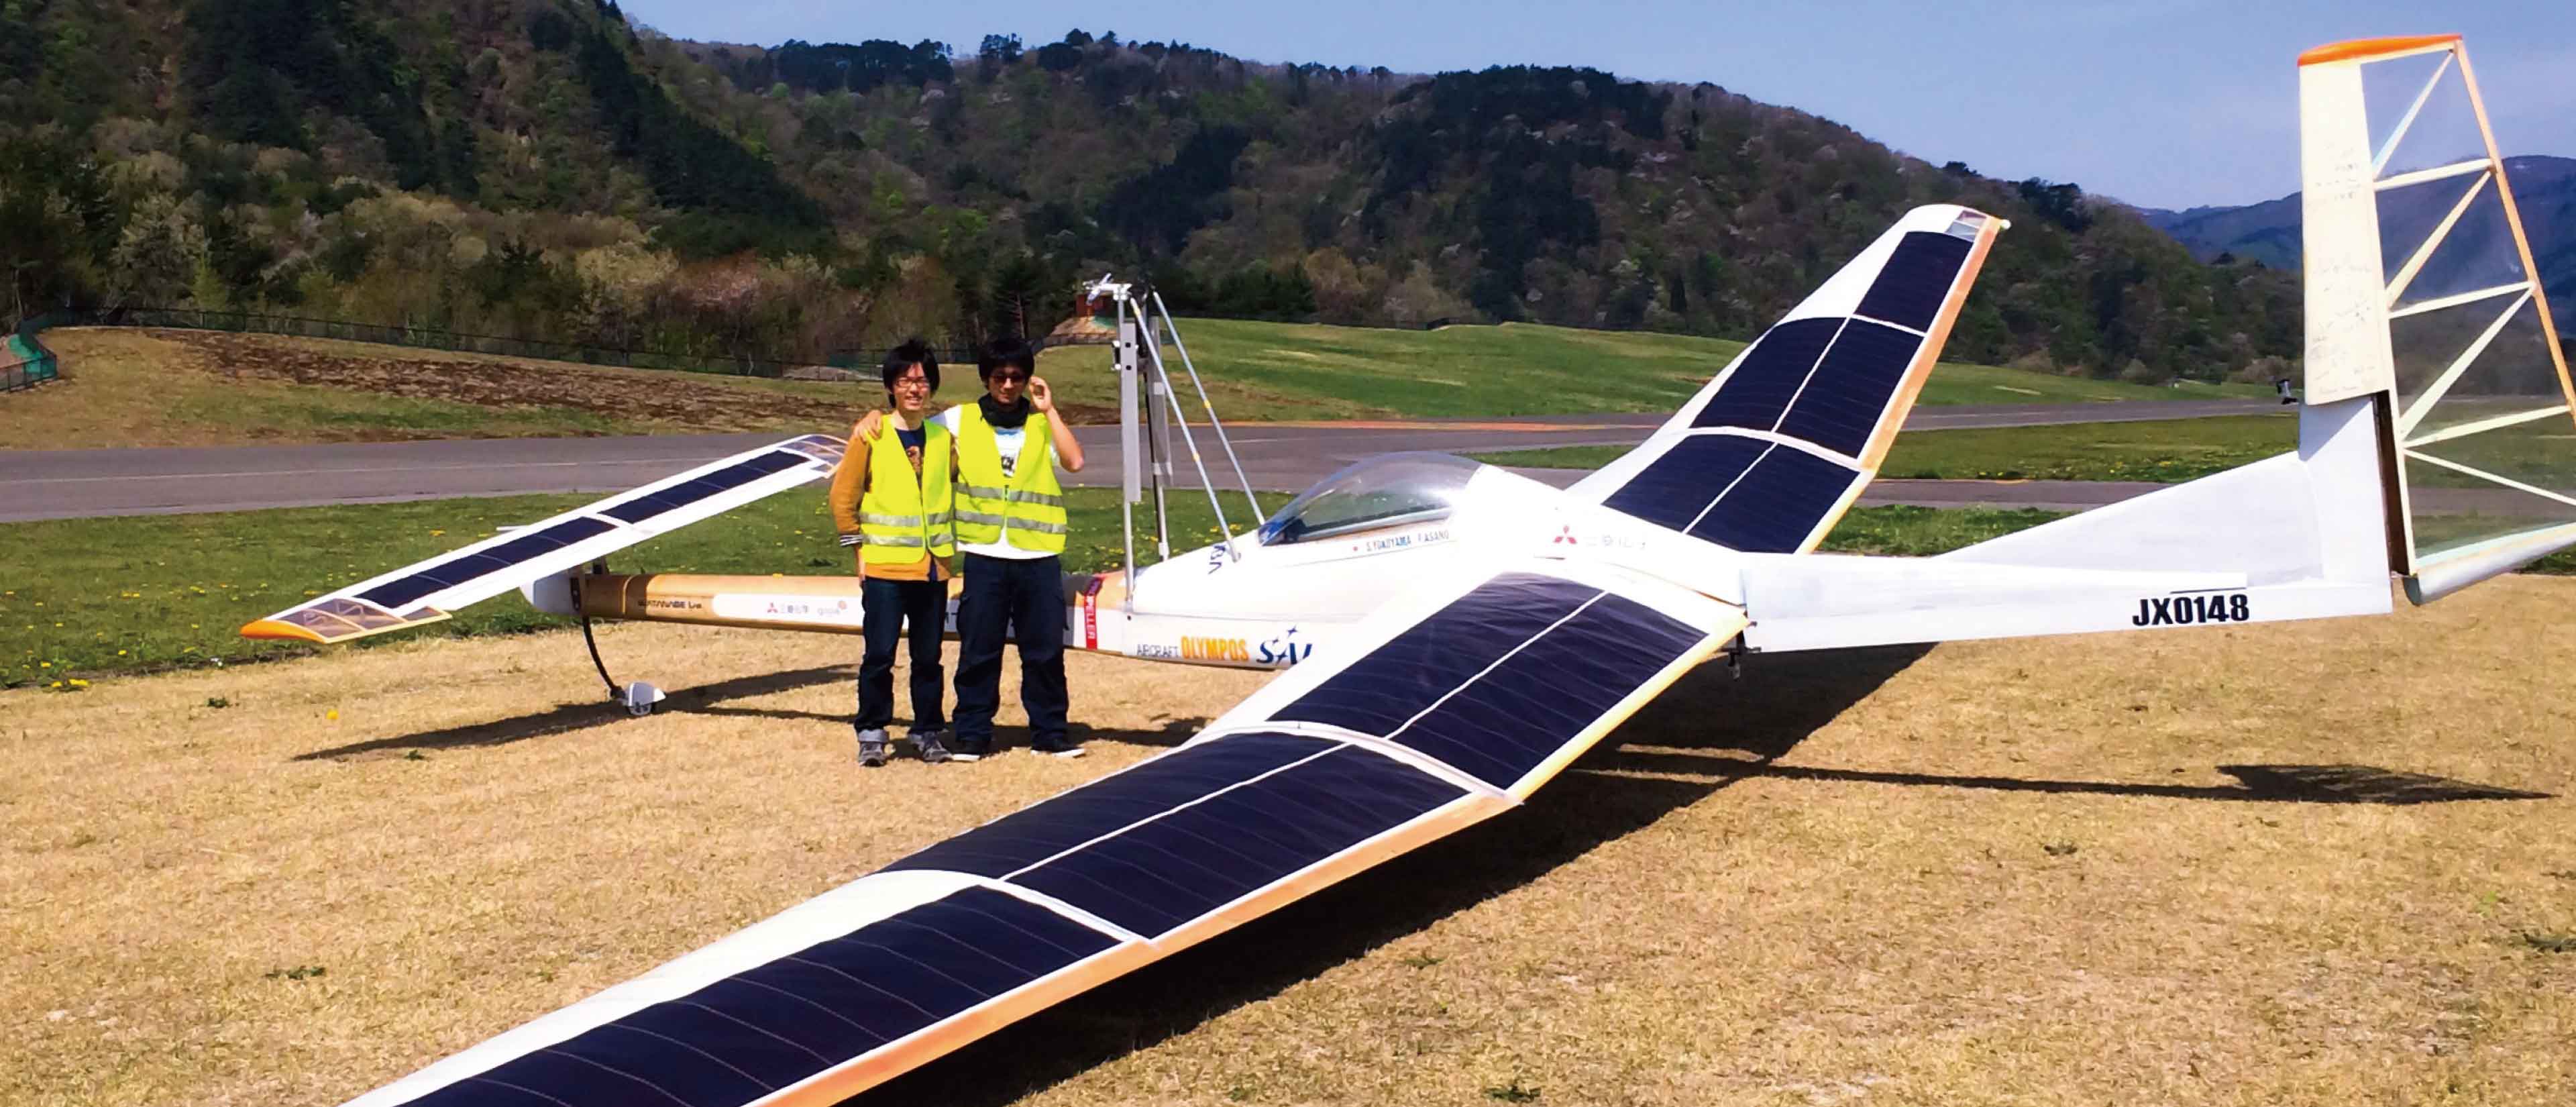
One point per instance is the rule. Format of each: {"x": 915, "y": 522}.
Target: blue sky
{"x": 2166, "y": 103}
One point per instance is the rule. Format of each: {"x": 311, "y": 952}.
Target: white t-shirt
{"x": 1009, "y": 442}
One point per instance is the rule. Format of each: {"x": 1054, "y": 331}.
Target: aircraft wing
{"x": 1444, "y": 710}
{"x": 1771, "y": 453}
{"x": 429, "y": 591}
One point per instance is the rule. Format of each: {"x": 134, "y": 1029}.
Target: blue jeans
{"x": 1026, "y": 597}
{"x": 884, "y": 607}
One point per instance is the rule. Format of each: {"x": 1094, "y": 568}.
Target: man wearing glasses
{"x": 892, "y": 498}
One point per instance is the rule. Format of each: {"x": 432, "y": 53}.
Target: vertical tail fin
{"x": 2423, "y": 297}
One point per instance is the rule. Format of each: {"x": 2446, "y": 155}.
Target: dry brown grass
{"x": 1995, "y": 873}
{"x": 136, "y": 387}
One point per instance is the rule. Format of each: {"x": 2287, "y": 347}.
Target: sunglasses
{"x": 1008, "y": 375}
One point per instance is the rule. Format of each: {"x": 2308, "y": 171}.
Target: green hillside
{"x": 541, "y": 168}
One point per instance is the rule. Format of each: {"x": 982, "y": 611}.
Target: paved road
{"x": 52, "y": 484}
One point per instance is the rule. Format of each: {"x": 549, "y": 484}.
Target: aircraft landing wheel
{"x": 639, "y": 698}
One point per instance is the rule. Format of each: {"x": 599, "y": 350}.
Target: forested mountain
{"x": 2544, "y": 192}
{"x": 543, "y": 168}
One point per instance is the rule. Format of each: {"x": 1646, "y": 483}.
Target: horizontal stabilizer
{"x": 429, "y": 591}
{"x": 1773, "y": 450}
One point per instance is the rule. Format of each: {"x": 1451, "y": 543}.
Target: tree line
{"x": 547, "y": 169}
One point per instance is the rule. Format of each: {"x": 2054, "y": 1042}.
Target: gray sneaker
{"x": 872, "y": 748}
{"x": 933, "y": 745}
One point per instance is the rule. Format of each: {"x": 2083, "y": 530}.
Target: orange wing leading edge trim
{"x": 2374, "y": 47}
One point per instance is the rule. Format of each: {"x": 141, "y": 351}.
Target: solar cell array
{"x": 1489, "y": 687}
{"x": 696, "y": 489}
{"x": 751, "y": 1034}
{"x": 457, "y": 569}
{"x": 1496, "y": 682}
{"x": 1776, "y": 447}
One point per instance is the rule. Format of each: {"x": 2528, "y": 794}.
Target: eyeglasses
{"x": 912, "y": 382}
{"x": 1008, "y": 375}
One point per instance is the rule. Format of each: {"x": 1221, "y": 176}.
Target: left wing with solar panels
{"x": 1771, "y": 453}
{"x": 429, "y": 591}
{"x": 1440, "y": 712}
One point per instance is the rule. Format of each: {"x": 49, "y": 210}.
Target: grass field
{"x": 92, "y": 597}
{"x": 1294, "y": 371}
{"x": 194, "y": 388}
{"x": 2263, "y": 865}
{"x": 2164, "y": 450}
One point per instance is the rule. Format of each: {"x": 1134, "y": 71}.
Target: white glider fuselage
{"x": 1265, "y": 599}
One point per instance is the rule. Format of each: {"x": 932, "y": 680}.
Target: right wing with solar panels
{"x": 429, "y": 591}
{"x": 1771, "y": 453}
{"x": 1441, "y": 712}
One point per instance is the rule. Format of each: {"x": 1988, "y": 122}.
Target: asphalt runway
{"x": 57, "y": 484}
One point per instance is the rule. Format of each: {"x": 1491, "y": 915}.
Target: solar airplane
{"x": 1473, "y": 632}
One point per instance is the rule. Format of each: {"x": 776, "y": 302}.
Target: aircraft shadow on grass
{"x": 710, "y": 699}
{"x": 586, "y": 714}
{"x": 1782, "y": 700}
{"x": 1702, "y": 731}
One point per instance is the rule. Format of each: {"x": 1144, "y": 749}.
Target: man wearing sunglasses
{"x": 1011, "y": 527}
{"x": 892, "y": 497}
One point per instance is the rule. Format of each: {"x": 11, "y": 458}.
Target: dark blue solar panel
{"x": 1776, "y": 504}
{"x": 691, "y": 491}
{"x": 1918, "y": 276}
{"x": 749, "y": 1034}
{"x": 394, "y": 594}
{"x": 1164, "y": 873}
{"x": 1842, "y": 403}
{"x": 1433, "y": 657}
{"x": 1760, "y": 388}
{"x": 1027, "y": 837}
{"x": 1503, "y": 724}
{"x": 1674, "y": 488}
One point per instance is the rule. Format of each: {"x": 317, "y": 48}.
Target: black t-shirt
{"x": 914, "y": 441}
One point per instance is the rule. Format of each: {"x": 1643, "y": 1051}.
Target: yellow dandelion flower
{"x": 333, "y": 714}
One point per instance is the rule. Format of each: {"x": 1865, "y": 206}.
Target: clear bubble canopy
{"x": 1385, "y": 491}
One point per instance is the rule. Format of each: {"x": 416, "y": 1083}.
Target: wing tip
{"x": 278, "y": 630}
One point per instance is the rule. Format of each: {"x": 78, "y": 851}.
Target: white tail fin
{"x": 2422, "y": 296}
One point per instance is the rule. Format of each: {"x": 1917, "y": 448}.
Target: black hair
{"x": 913, "y": 352}
{"x": 1006, "y": 351}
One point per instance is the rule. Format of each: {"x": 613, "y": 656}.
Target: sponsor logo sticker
{"x": 831, "y": 610}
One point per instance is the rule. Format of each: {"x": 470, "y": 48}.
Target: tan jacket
{"x": 849, "y": 484}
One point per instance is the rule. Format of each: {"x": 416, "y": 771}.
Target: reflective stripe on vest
{"x": 900, "y": 520}
{"x": 1024, "y": 509}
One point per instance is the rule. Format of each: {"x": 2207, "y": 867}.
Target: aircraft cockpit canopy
{"x": 1387, "y": 491}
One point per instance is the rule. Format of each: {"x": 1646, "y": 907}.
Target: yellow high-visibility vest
{"x": 899, "y": 519}
{"x": 1025, "y": 509}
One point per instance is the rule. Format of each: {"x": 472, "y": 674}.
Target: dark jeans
{"x": 1027, "y": 597}
{"x": 885, "y": 605}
